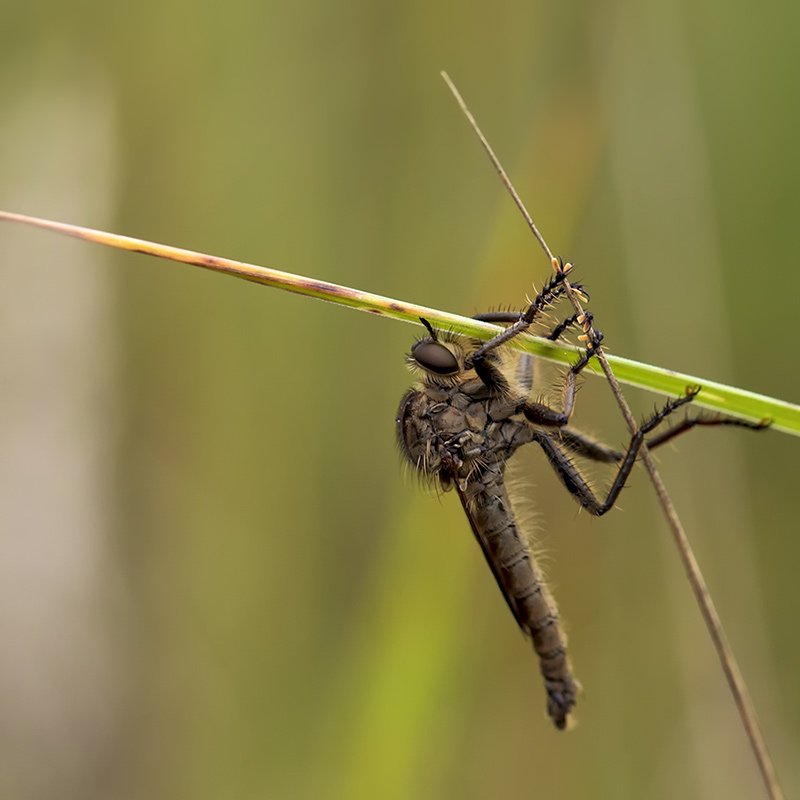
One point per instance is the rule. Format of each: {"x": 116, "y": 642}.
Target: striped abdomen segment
{"x": 522, "y": 584}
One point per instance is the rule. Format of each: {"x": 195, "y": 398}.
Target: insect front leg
{"x": 552, "y": 291}
{"x": 510, "y": 317}
{"x": 525, "y": 374}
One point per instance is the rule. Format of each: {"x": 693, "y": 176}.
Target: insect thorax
{"x": 450, "y": 432}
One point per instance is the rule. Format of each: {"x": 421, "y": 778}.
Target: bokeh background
{"x": 215, "y": 581}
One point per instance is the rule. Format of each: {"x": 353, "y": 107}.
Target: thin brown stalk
{"x": 708, "y": 611}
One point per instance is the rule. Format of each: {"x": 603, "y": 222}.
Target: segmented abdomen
{"x": 520, "y": 580}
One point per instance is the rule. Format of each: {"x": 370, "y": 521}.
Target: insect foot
{"x": 560, "y": 268}
{"x": 692, "y": 390}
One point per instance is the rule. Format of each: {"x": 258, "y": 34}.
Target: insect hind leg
{"x": 583, "y": 445}
{"x": 692, "y": 422}
{"x": 578, "y": 442}
{"x": 571, "y": 476}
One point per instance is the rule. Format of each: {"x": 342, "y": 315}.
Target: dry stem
{"x": 708, "y": 611}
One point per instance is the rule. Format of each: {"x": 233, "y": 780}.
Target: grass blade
{"x": 714, "y": 396}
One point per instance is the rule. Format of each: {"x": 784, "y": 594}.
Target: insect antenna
{"x": 429, "y": 328}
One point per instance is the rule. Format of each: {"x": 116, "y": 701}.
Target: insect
{"x": 468, "y": 415}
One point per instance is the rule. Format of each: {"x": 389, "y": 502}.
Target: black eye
{"x": 435, "y": 357}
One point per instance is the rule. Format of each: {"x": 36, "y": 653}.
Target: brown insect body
{"x": 465, "y": 419}
{"x": 460, "y": 432}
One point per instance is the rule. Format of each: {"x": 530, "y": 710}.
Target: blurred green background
{"x": 215, "y": 580}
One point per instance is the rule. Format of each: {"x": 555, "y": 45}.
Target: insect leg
{"x": 525, "y": 369}
{"x": 542, "y": 414}
{"x": 575, "y": 482}
{"x": 586, "y": 446}
{"x": 525, "y": 374}
{"x": 525, "y": 365}
{"x": 512, "y": 316}
{"x": 498, "y": 316}
{"x": 689, "y": 423}
{"x": 552, "y": 290}
{"x": 562, "y": 328}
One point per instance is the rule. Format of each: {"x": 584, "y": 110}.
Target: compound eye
{"x": 435, "y": 357}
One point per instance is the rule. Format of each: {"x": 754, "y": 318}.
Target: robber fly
{"x": 468, "y": 415}
{"x": 473, "y": 409}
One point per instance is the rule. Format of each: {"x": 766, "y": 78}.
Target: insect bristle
{"x": 526, "y": 515}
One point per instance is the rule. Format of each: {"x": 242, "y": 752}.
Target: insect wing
{"x": 471, "y": 510}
